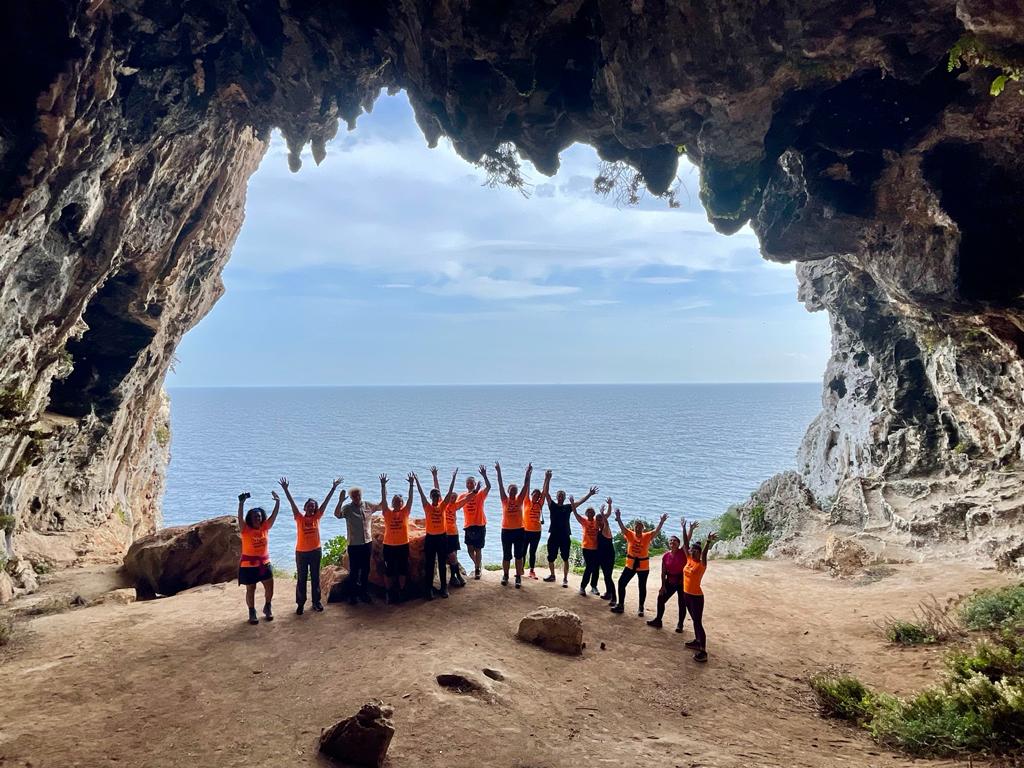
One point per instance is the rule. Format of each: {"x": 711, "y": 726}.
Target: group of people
{"x": 522, "y": 521}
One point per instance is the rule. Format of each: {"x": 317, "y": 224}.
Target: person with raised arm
{"x": 559, "y": 533}
{"x": 513, "y": 537}
{"x": 533, "y": 522}
{"x": 606, "y": 553}
{"x": 396, "y": 539}
{"x": 672, "y": 564}
{"x": 435, "y": 543}
{"x": 474, "y": 519}
{"x": 307, "y": 544}
{"x": 638, "y": 547}
{"x": 693, "y": 595}
{"x": 452, "y": 504}
{"x": 589, "y": 523}
{"x": 254, "y": 565}
{"x": 357, "y": 514}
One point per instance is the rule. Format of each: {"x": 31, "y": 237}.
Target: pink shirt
{"x": 673, "y": 563}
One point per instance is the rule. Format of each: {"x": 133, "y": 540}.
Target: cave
{"x": 847, "y": 137}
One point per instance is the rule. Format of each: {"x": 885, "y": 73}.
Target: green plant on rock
{"x": 994, "y": 608}
{"x": 754, "y": 550}
{"x": 13, "y": 403}
{"x": 757, "y": 520}
{"x": 7, "y": 523}
{"x": 968, "y": 51}
{"x": 334, "y": 549}
{"x": 727, "y": 525}
{"x": 163, "y": 435}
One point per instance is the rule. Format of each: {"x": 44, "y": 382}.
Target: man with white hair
{"x": 357, "y": 514}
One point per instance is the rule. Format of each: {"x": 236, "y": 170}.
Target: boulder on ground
{"x": 333, "y": 583}
{"x": 554, "y": 629}
{"x": 845, "y": 556}
{"x": 122, "y": 596}
{"x": 185, "y": 556}
{"x": 417, "y": 537}
{"x": 6, "y": 588}
{"x": 362, "y": 739}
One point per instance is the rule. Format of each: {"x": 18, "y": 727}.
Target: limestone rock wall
{"x": 835, "y": 129}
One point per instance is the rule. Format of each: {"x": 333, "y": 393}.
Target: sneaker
{"x": 519, "y": 582}
{"x": 618, "y": 609}
{"x": 459, "y": 580}
{"x": 550, "y": 578}
{"x": 656, "y": 623}
{"x": 444, "y": 593}
{"x": 679, "y": 629}
{"x": 298, "y": 610}
{"x": 640, "y": 612}
{"x": 701, "y": 656}
{"x": 595, "y": 591}
{"x": 532, "y": 575}
{"x": 583, "y": 592}
{"x": 504, "y": 581}
{"x": 612, "y": 604}
{"x": 268, "y": 614}
{"x": 476, "y": 575}
{"x": 252, "y": 616}
{"x": 608, "y": 596}
{"x": 565, "y": 583}
{"x": 692, "y": 645}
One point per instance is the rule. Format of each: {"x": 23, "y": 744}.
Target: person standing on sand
{"x": 396, "y": 539}
{"x": 533, "y": 522}
{"x": 606, "y": 553}
{"x": 513, "y": 537}
{"x": 672, "y": 564}
{"x": 357, "y": 514}
{"x": 254, "y": 565}
{"x": 307, "y": 545}
{"x": 693, "y": 595}
{"x": 590, "y": 525}
{"x": 474, "y": 520}
{"x": 435, "y": 543}
{"x": 452, "y": 504}
{"x": 559, "y": 534}
{"x": 638, "y": 547}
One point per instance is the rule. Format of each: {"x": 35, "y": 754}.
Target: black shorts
{"x": 396, "y": 559}
{"x": 513, "y": 543}
{"x": 254, "y": 574}
{"x": 475, "y": 535}
{"x": 559, "y": 545}
{"x": 453, "y": 543}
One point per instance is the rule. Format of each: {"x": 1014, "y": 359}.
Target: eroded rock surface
{"x": 362, "y": 739}
{"x": 836, "y": 130}
{"x": 554, "y": 629}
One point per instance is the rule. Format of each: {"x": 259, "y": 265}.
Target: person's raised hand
{"x": 608, "y": 501}
{"x": 283, "y": 482}
{"x": 712, "y": 537}
{"x": 483, "y": 470}
{"x": 682, "y": 523}
{"x": 529, "y": 467}
{"x": 664, "y": 518}
{"x": 694, "y": 526}
{"x": 547, "y": 474}
{"x": 618, "y": 515}
{"x": 274, "y": 496}
{"x": 338, "y": 481}
{"x": 383, "y": 479}
{"x": 433, "y": 470}
{"x": 593, "y": 490}
{"x": 244, "y": 495}
{"x": 497, "y": 466}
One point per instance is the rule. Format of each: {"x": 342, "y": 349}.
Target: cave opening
{"x": 105, "y": 353}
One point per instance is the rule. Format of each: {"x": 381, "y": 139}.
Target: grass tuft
{"x": 994, "y": 608}
{"x": 842, "y": 696}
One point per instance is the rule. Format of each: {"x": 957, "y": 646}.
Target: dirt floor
{"x": 184, "y": 681}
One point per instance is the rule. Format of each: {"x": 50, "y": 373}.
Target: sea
{"x": 686, "y": 450}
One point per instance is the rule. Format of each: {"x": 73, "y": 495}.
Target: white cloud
{"x": 662, "y": 280}
{"x": 599, "y": 302}
{"x": 484, "y": 287}
{"x": 396, "y": 285}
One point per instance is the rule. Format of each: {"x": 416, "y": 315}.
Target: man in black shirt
{"x": 559, "y": 534}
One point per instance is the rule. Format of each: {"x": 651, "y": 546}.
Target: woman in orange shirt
{"x": 533, "y": 522}
{"x": 452, "y": 504}
{"x": 254, "y": 566}
{"x": 396, "y": 538}
{"x": 693, "y": 595}
{"x": 474, "y": 519}
{"x": 307, "y": 545}
{"x": 638, "y": 547}
{"x": 435, "y": 543}
{"x": 591, "y": 525}
{"x": 513, "y": 536}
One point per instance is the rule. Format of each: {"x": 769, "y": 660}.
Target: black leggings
{"x": 307, "y": 567}
{"x": 435, "y": 548}
{"x": 358, "y": 568}
{"x": 695, "y": 607}
{"x": 590, "y": 567}
{"x": 532, "y": 542}
{"x": 606, "y": 559}
{"x": 641, "y": 579}
{"x": 665, "y": 594}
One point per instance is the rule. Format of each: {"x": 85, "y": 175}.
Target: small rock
{"x": 362, "y": 739}
{"x": 122, "y": 596}
{"x": 554, "y": 629}
{"x": 6, "y": 588}
{"x": 603, "y": 646}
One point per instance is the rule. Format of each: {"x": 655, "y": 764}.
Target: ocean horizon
{"x": 679, "y": 449}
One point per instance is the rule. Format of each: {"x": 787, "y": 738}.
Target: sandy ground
{"x": 183, "y": 681}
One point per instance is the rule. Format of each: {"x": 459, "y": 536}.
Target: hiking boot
{"x": 565, "y": 583}
{"x": 595, "y": 591}
{"x": 692, "y": 645}
{"x": 640, "y": 612}
{"x": 519, "y": 582}
{"x": 608, "y": 596}
{"x": 618, "y": 609}
{"x": 268, "y": 614}
{"x": 504, "y": 581}
{"x": 656, "y": 623}
{"x": 701, "y": 656}
{"x": 583, "y": 592}
{"x": 679, "y": 629}
{"x": 298, "y": 610}
{"x": 444, "y": 593}
{"x": 318, "y": 607}
{"x": 252, "y": 616}
{"x": 549, "y": 578}
{"x": 476, "y": 575}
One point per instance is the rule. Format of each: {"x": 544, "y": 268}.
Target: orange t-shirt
{"x": 589, "y": 533}
{"x": 511, "y": 514}
{"x": 396, "y": 527}
{"x": 435, "y": 517}
{"x": 255, "y": 545}
{"x": 532, "y": 513}
{"x": 638, "y": 549}
{"x": 307, "y": 529}
{"x": 451, "y": 520}
{"x": 693, "y": 572}
{"x": 473, "y": 512}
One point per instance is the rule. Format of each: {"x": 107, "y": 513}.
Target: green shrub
{"x": 163, "y": 436}
{"x": 994, "y": 608}
{"x": 727, "y": 525}
{"x": 755, "y": 549}
{"x": 281, "y": 573}
{"x": 756, "y": 520}
{"x": 7, "y": 523}
{"x": 658, "y": 543}
{"x": 902, "y": 632}
{"x": 492, "y": 567}
{"x": 333, "y": 550}
{"x": 42, "y": 567}
{"x": 842, "y": 696}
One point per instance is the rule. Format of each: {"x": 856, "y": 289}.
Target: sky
{"x": 393, "y": 263}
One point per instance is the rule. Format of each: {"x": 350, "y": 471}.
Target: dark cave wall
{"x": 835, "y": 129}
